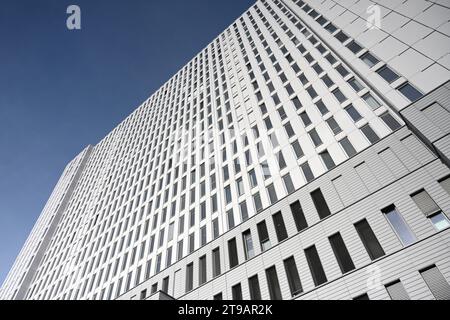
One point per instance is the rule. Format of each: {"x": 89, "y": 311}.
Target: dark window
{"x": 353, "y": 113}
{"x": 202, "y": 270}
{"x": 348, "y": 147}
{"x": 248, "y": 244}
{"x": 263, "y": 236}
{"x": 354, "y": 47}
{"x": 369, "y": 240}
{"x": 216, "y": 262}
{"x": 387, "y": 74}
{"x": 390, "y": 121}
{"x": 320, "y": 204}
{"x": 293, "y": 278}
{"x": 255, "y": 292}
{"x": 327, "y": 159}
{"x": 410, "y": 92}
{"x": 280, "y": 228}
{"x": 218, "y": 296}
{"x": 369, "y": 59}
{"x": 362, "y": 297}
{"x": 370, "y": 134}
{"x": 315, "y": 265}
{"x": 165, "y": 285}
{"x": 299, "y": 216}
{"x": 309, "y": 176}
{"x": 236, "y": 292}
{"x": 232, "y": 252}
{"x": 189, "y": 277}
{"x": 272, "y": 282}
{"x": 340, "y": 251}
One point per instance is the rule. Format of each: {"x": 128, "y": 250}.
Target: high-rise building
{"x": 303, "y": 154}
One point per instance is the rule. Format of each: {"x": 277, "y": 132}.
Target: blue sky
{"x": 61, "y": 90}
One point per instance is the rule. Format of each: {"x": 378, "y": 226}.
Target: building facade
{"x": 303, "y": 154}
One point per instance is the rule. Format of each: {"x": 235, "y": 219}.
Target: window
{"x": 390, "y": 121}
{"x": 218, "y": 296}
{"x": 297, "y": 149}
{"x": 315, "y": 265}
{"x": 143, "y": 294}
{"x": 348, "y": 147}
{"x": 244, "y": 211}
{"x": 253, "y": 284}
{"x": 369, "y": 59}
{"x": 322, "y": 107}
{"x": 355, "y": 84}
{"x": 257, "y": 202}
{"x": 353, "y": 113}
{"x": 369, "y": 240}
{"x": 232, "y": 252}
{"x": 252, "y": 176}
{"x": 215, "y": 227}
{"x": 295, "y": 284}
{"x": 431, "y": 210}
{"x": 315, "y": 137}
{"x": 436, "y": 282}
{"x": 340, "y": 251}
{"x": 230, "y": 218}
{"x": 203, "y": 236}
{"x": 263, "y": 236}
{"x": 281, "y": 160}
{"x": 272, "y": 282}
{"x": 280, "y": 228}
{"x": 272, "y": 193}
{"x": 445, "y": 184}
{"x": 191, "y": 242}
{"x": 298, "y": 215}
{"x": 236, "y": 292}
{"x": 397, "y": 291}
{"x": 371, "y": 101}
{"x": 354, "y": 47}
{"x": 334, "y": 126}
{"x": 399, "y": 225}
{"x": 248, "y": 244}
{"x": 327, "y": 159}
{"x": 228, "y": 194}
{"x": 370, "y": 134}
{"x": 240, "y": 187}
{"x": 189, "y": 277}
{"x": 202, "y": 270}
{"x": 288, "y": 183}
{"x": 309, "y": 176}
{"x": 411, "y": 93}
{"x": 216, "y": 262}
{"x": 305, "y": 119}
{"x": 387, "y": 74}
{"x": 165, "y": 285}
{"x": 320, "y": 204}
{"x": 364, "y": 296}
{"x": 339, "y": 95}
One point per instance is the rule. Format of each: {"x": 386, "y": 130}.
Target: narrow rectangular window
{"x": 431, "y": 210}
{"x": 390, "y": 121}
{"x": 272, "y": 282}
{"x": 436, "y": 282}
{"x": 165, "y": 285}
{"x": 397, "y": 291}
{"x": 280, "y": 228}
{"x": 202, "y": 270}
{"x": 369, "y": 240}
{"x": 399, "y": 225}
{"x": 295, "y": 284}
{"x": 315, "y": 265}
{"x": 348, "y": 147}
{"x": 309, "y": 176}
{"x": 370, "y": 134}
{"x": 248, "y": 244}
{"x": 272, "y": 193}
{"x": 255, "y": 292}
{"x": 327, "y": 159}
{"x": 189, "y": 277}
{"x": 299, "y": 216}
{"x": 232, "y": 252}
{"x": 320, "y": 204}
{"x": 216, "y": 262}
{"x": 263, "y": 236}
{"x": 340, "y": 251}
{"x": 236, "y": 292}
{"x": 411, "y": 93}
{"x": 218, "y": 296}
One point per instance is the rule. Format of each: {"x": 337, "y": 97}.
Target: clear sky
{"x": 61, "y": 90}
